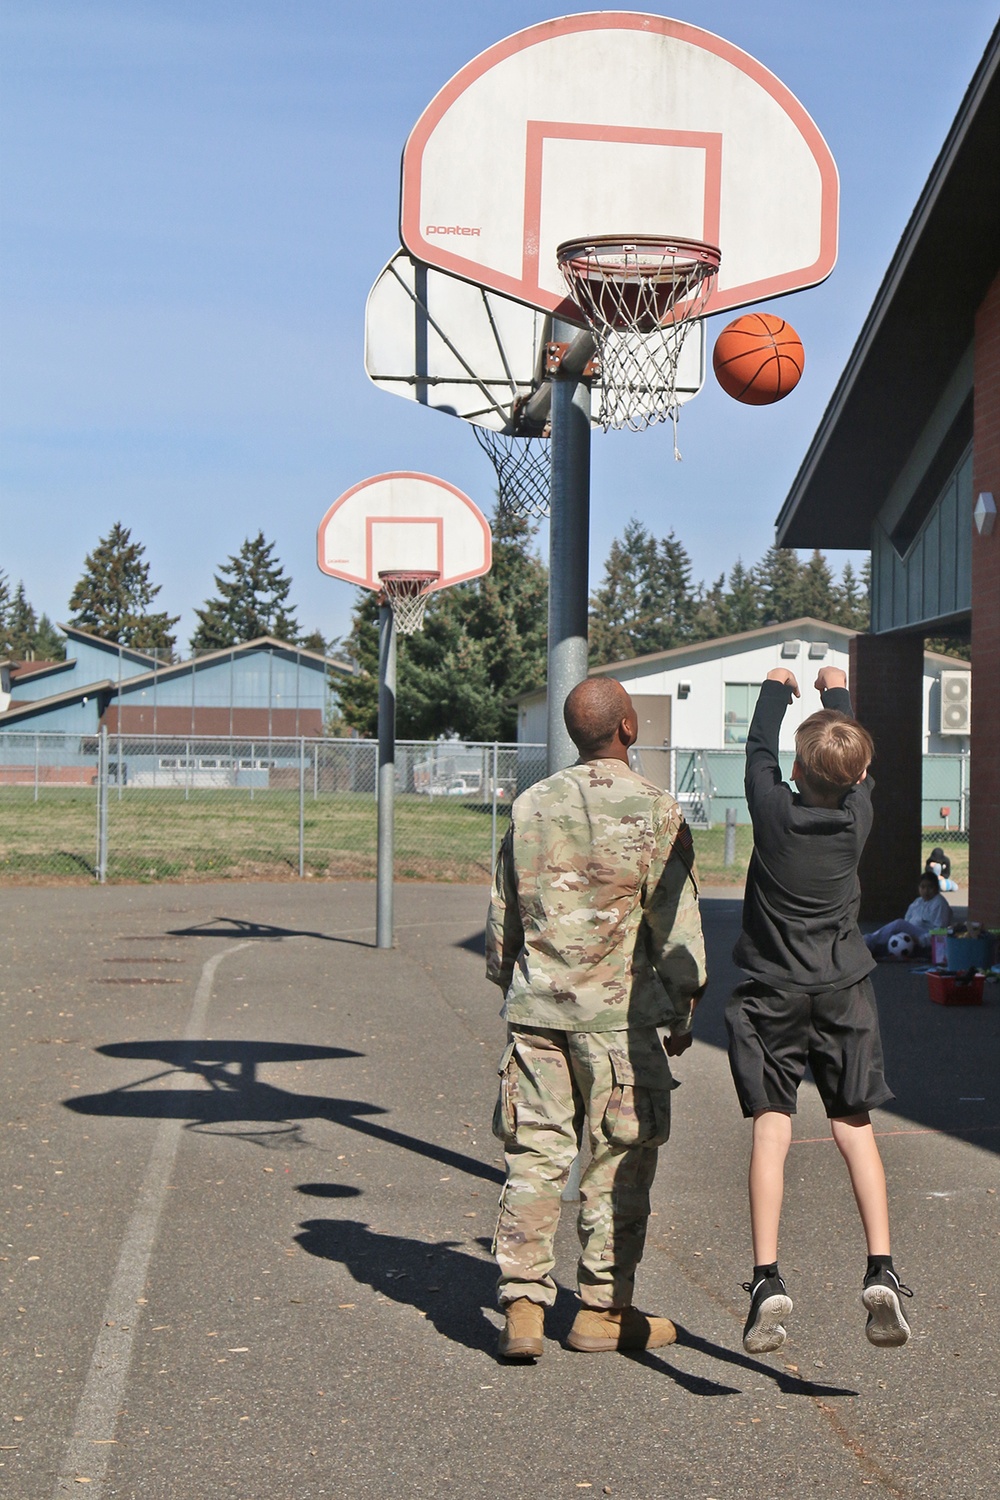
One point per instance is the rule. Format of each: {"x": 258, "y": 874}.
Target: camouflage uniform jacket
{"x": 594, "y": 922}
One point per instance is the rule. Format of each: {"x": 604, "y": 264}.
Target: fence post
{"x": 250, "y": 777}
{"x": 189, "y": 768}
{"x": 102, "y": 806}
{"x": 729, "y": 858}
{"x": 493, "y": 822}
{"x": 36, "y": 767}
{"x": 315, "y": 771}
{"x": 302, "y": 808}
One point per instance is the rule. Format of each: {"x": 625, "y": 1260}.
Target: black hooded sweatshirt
{"x": 800, "y": 908}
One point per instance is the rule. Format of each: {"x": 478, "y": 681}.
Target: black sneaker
{"x": 769, "y": 1303}
{"x": 886, "y": 1326}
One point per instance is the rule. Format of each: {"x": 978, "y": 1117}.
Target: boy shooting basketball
{"x": 808, "y": 998}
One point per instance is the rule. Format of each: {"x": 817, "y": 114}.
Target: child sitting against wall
{"x": 929, "y": 910}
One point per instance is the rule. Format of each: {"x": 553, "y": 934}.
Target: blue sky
{"x": 198, "y": 196}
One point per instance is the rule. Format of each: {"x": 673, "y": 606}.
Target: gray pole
{"x": 386, "y": 773}
{"x": 302, "y": 807}
{"x": 569, "y": 546}
{"x": 102, "y": 805}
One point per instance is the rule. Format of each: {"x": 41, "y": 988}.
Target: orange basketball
{"x": 758, "y": 359}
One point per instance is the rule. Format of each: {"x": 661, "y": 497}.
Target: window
{"x": 740, "y": 700}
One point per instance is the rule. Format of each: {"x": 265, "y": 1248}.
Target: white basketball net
{"x": 407, "y": 594}
{"x": 641, "y": 298}
{"x": 523, "y": 468}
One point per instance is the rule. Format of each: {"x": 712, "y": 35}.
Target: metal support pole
{"x": 302, "y": 808}
{"x": 36, "y": 767}
{"x": 569, "y": 548}
{"x": 729, "y": 858}
{"x": 493, "y": 816}
{"x": 386, "y": 774}
{"x": 102, "y": 806}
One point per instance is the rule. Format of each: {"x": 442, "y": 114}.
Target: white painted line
{"x": 96, "y": 1418}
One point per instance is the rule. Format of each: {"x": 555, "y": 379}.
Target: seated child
{"x": 939, "y": 864}
{"x": 929, "y": 910}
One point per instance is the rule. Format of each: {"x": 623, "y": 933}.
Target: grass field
{"x": 159, "y": 834}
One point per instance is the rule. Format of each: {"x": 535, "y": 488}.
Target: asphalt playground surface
{"x": 248, "y": 1193}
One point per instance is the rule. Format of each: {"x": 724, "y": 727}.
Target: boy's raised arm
{"x": 763, "y": 770}
{"x": 831, "y": 684}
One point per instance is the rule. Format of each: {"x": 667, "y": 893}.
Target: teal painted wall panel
{"x": 933, "y": 580}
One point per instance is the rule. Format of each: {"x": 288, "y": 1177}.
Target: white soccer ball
{"x": 901, "y": 946}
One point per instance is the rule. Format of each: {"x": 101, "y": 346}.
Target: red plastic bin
{"x": 955, "y": 989}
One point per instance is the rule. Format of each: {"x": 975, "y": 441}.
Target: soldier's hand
{"x": 675, "y": 1045}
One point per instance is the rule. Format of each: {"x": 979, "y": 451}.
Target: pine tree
{"x": 646, "y": 601}
{"x": 741, "y": 604}
{"x": 20, "y": 635}
{"x": 852, "y": 604}
{"x": 5, "y": 606}
{"x": 820, "y": 596}
{"x": 778, "y": 577}
{"x": 482, "y": 643}
{"x": 251, "y": 602}
{"x": 112, "y": 598}
{"x": 49, "y": 644}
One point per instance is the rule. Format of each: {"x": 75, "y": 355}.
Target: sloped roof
{"x": 920, "y": 326}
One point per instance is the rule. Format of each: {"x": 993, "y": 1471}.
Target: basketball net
{"x": 523, "y": 469}
{"x": 641, "y": 297}
{"x": 406, "y": 592}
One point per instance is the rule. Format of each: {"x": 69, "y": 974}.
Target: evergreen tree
{"x": 112, "y": 598}
{"x": 482, "y": 643}
{"x": 49, "y": 644}
{"x": 5, "y": 606}
{"x": 779, "y": 581}
{"x": 646, "y": 601}
{"x": 820, "y": 595}
{"x": 21, "y": 632}
{"x": 852, "y": 604}
{"x": 740, "y": 608}
{"x": 252, "y": 600}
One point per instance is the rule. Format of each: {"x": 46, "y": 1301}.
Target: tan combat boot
{"x": 597, "y": 1329}
{"x": 521, "y": 1335}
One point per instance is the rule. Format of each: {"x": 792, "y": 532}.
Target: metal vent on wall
{"x": 956, "y": 703}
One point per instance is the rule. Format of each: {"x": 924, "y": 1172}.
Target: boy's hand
{"x": 675, "y": 1045}
{"x": 830, "y": 677}
{"x": 782, "y": 674}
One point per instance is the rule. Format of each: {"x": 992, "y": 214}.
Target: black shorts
{"x": 773, "y": 1036}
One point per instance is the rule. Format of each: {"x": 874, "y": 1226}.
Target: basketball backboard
{"x": 438, "y": 340}
{"x": 404, "y": 521}
{"x": 617, "y": 122}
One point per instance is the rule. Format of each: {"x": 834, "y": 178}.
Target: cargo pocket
{"x": 638, "y": 1109}
{"x": 504, "y": 1113}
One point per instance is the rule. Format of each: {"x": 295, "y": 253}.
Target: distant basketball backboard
{"x": 616, "y": 122}
{"x": 404, "y": 522}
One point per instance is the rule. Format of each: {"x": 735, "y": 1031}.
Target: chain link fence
{"x": 147, "y": 808}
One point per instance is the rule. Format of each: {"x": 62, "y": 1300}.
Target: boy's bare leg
{"x": 855, "y": 1139}
{"x": 772, "y": 1135}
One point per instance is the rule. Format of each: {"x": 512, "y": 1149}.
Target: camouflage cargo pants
{"x": 552, "y": 1083}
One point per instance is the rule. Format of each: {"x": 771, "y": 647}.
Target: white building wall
{"x": 697, "y": 721}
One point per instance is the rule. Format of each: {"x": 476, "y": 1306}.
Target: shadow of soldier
{"x": 448, "y": 1285}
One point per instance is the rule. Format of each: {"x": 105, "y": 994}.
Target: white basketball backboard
{"x": 618, "y": 123}
{"x": 406, "y": 521}
{"x": 458, "y": 348}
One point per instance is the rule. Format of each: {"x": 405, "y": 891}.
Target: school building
{"x": 257, "y": 690}
{"x": 906, "y": 462}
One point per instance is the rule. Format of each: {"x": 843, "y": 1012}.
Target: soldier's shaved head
{"x": 594, "y": 712}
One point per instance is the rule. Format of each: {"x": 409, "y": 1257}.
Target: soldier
{"x": 594, "y": 936}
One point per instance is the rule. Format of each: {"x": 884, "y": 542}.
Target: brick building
{"x": 906, "y": 461}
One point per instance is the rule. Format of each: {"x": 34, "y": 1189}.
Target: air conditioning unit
{"x": 956, "y": 703}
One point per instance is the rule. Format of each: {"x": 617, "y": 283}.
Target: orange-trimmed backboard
{"x": 616, "y": 122}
